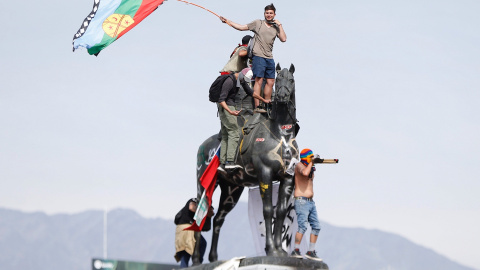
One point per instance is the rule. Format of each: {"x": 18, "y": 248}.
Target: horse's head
{"x": 285, "y": 84}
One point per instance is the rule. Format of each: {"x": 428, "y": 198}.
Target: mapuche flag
{"x": 208, "y": 180}
{"x": 109, "y": 20}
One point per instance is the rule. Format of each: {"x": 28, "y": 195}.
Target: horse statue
{"x": 265, "y": 152}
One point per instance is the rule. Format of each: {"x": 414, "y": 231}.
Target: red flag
{"x": 208, "y": 180}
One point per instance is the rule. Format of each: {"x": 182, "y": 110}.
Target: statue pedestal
{"x": 266, "y": 263}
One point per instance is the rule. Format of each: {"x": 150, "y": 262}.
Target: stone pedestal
{"x": 267, "y": 263}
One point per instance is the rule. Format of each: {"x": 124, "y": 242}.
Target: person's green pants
{"x": 230, "y": 134}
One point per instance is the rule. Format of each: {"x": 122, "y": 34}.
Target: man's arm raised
{"x": 239, "y": 27}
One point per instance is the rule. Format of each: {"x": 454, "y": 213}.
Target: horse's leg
{"x": 196, "y": 250}
{"x": 228, "y": 199}
{"x": 205, "y": 154}
{"x": 265, "y": 182}
{"x": 284, "y": 192}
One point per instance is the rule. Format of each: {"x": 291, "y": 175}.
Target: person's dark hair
{"x": 246, "y": 39}
{"x": 271, "y": 7}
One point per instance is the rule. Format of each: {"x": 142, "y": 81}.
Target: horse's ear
{"x": 292, "y": 68}
{"x": 278, "y": 68}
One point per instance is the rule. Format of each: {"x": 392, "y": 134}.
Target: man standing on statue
{"x": 263, "y": 65}
{"x": 304, "y": 204}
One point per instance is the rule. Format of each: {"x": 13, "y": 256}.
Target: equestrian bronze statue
{"x": 266, "y": 148}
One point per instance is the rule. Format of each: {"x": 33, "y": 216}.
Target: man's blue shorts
{"x": 306, "y": 213}
{"x": 263, "y": 67}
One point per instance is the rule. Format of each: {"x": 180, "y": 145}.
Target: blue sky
{"x": 390, "y": 88}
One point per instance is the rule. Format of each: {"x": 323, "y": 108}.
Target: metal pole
{"x": 105, "y": 233}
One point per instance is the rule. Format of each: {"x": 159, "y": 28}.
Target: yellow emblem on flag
{"x": 116, "y": 24}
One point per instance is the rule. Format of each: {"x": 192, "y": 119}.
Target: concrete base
{"x": 264, "y": 263}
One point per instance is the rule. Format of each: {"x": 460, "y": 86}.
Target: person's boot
{"x": 221, "y": 168}
{"x": 259, "y": 109}
{"x": 230, "y": 165}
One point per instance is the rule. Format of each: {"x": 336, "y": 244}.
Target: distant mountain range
{"x": 47, "y": 242}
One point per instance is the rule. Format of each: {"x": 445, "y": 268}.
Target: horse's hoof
{"x": 274, "y": 253}
{"x": 282, "y": 253}
{"x": 279, "y": 253}
{"x": 212, "y": 258}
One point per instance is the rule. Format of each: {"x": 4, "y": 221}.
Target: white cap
{"x": 246, "y": 75}
{"x": 247, "y": 72}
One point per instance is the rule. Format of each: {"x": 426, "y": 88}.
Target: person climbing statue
{"x": 263, "y": 65}
{"x": 185, "y": 239}
{"x": 228, "y": 116}
{"x": 238, "y": 59}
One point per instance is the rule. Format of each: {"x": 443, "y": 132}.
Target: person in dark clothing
{"x": 185, "y": 239}
{"x": 228, "y": 116}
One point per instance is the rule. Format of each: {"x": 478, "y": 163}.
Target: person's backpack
{"x": 250, "y": 47}
{"x": 216, "y": 88}
{"x": 251, "y": 43}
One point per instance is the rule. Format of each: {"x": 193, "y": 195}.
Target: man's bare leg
{"x": 257, "y": 88}
{"x": 298, "y": 238}
{"x": 267, "y": 91}
{"x": 313, "y": 238}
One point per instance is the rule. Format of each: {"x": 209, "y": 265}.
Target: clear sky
{"x": 391, "y": 88}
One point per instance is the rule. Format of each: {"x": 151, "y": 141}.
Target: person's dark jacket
{"x": 185, "y": 216}
{"x": 230, "y": 90}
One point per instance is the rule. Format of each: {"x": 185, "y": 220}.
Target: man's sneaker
{"x": 221, "y": 168}
{"x": 312, "y": 255}
{"x": 296, "y": 253}
{"x": 259, "y": 109}
{"x": 232, "y": 166}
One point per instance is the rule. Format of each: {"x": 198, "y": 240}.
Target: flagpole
{"x": 193, "y": 4}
